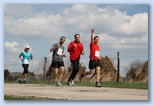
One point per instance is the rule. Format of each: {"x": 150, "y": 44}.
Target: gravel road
{"x": 75, "y": 92}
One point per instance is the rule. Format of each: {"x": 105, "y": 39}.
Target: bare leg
{"x": 54, "y": 73}
{"x": 61, "y": 72}
{"x": 24, "y": 76}
{"x": 89, "y": 72}
{"x": 86, "y": 73}
{"x": 97, "y": 74}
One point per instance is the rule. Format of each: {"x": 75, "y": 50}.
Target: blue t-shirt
{"x": 26, "y": 57}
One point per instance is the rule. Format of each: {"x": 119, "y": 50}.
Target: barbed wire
{"x": 113, "y": 58}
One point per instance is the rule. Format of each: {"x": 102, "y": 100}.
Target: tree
{"x": 6, "y": 74}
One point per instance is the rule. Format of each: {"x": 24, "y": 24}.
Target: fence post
{"x": 118, "y": 66}
{"x": 45, "y": 62}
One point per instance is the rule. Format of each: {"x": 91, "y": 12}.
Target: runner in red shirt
{"x": 94, "y": 62}
{"x": 75, "y": 48}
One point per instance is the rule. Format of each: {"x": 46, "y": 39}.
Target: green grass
{"x": 7, "y": 97}
{"x": 131, "y": 85}
{"x": 11, "y": 97}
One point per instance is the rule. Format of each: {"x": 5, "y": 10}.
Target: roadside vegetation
{"x": 130, "y": 85}
{"x": 136, "y": 77}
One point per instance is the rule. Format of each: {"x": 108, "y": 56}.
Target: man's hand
{"x": 82, "y": 52}
{"x": 92, "y": 34}
{"x": 63, "y": 55}
{"x": 92, "y": 30}
{"x": 56, "y": 46}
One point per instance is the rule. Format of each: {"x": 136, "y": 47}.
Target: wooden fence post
{"x": 45, "y": 62}
{"x": 118, "y": 66}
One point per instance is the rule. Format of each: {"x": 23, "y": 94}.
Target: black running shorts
{"x": 94, "y": 63}
{"x": 57, "y": 64}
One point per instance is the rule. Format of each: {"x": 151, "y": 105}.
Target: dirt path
{"x": 74, "y": 93}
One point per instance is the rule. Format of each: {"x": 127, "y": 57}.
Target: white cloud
{"x": 125, "y": 43}
{"x": 40, "y": 27}
{"x": 79, "y": 9}
{"x": 116, "y": 29}
{"x": 15, "y": 47}
{"x": 11, "y": 46}
{"x": 137, "y": 25}
{"x": 78, "y": 19}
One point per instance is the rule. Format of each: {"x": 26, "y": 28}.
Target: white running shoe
{"x": 69, "y": 84}
{"x": 73, "y": 82}
{"x": 98, "y": 84}
{"x": 59, "y": 84}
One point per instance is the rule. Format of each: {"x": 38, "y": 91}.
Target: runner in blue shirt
{"x": 25, "y": 57}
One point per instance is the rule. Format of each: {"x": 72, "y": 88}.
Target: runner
{"x": 94, "y": 62}
{"x": 57, "y": 61}
{"x": 25, "y": 57}
{"x": 75, "y": 48}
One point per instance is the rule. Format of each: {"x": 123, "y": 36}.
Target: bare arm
{"x": 54, "y": 47}
{"x": 31, "y": 56}
{"x": 63, "y": 55}
{"x": 20, "y": 56}
{"x": 82, "y": 51}
{"x": 92, "y": 34}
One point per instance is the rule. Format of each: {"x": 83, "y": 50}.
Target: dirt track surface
{"x": 75, "y": 92}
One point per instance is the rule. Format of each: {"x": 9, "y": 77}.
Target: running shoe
{"x": 24, "y": 81}
{"x": 48, "y": 79}
{"x": 20, "y": 81}
{"x": 59, "y": 84}
{"x": 98, "y": 84}
{"x": 69, "y": 84}
{"x": 72, "y": 81}
{"x": 81, "y": 76}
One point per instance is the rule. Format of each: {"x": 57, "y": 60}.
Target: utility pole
{"x": 118, "y": 66}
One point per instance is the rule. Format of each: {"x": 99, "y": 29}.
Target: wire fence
{"x": 37, "y": 67}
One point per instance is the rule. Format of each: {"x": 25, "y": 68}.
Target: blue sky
{"x": 122, "y": 28}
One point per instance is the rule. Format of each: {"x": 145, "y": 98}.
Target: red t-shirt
{"x": 75, "y": 49}
{"x": 94, "y": 51}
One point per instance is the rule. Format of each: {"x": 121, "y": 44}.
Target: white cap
{"x": 27, "y": 46}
